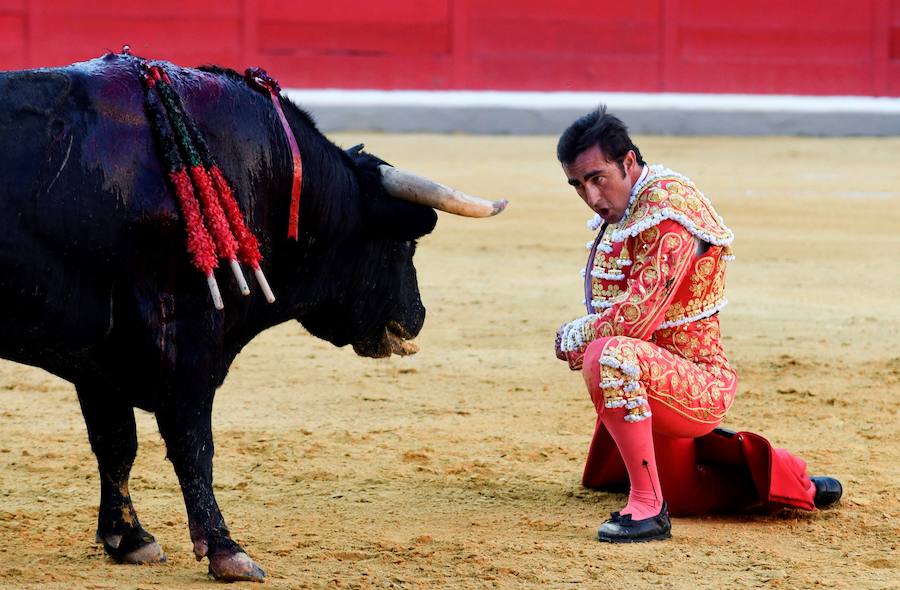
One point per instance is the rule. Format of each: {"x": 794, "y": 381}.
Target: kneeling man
{"x": 650, "y": 349}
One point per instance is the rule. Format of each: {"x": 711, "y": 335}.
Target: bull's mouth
{"x": 396, "y": 340}
{"x": 400, "y": 340}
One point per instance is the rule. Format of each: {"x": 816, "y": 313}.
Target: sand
{"x": 460, "y": 467}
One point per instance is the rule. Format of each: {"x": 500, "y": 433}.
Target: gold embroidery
{"x": 697, "y": 287}
{"x": 606, "y": 262}
{"x": 704, "y": 267}
{"x": 648, "y": 236}
{"x": 607, "y": 291}
{"x": 635, "y": 373}
{"x": 620, "y": 380}
{"x": 631, "y": 313}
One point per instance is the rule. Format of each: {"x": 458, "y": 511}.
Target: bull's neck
{"x": 328, "y": 215}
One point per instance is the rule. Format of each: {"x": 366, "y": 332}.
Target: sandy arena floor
{"x": 460, "y": 467}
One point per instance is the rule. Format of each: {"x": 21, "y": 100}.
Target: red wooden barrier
{"x": 755, "y": 46}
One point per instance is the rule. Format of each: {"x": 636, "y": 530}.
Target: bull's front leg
{"x": 111, "y": 430}
{"x": 185, "y": 422}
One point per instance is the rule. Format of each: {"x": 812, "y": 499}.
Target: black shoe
{"x": 828, "y": 491}
{"x": 622, "y": 529}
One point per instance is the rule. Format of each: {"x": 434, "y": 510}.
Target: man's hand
{"x": 559, "y": 336}
{"x": 576, "y": 360}
{"x": 572, "y": 338}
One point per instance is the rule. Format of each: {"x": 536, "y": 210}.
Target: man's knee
{"x": 590, "y": 369}
{"x": 592, "y": 354}
{"x": 612, "y": 374}
{"x": 598, "y": 347}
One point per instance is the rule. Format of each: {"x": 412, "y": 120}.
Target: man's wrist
{"x": 577, "y": 334}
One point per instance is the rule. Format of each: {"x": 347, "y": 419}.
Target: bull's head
{"x": 379, "y": 310}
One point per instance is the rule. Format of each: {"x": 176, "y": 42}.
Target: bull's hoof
{"x": 235, "y": 567}
{"x": 136, "y": 546}
{"x": 149, "y": 553}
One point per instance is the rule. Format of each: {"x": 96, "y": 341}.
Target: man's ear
{"x": 629, "y": 162}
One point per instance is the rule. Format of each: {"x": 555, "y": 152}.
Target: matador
{"x": 650, "y": 348}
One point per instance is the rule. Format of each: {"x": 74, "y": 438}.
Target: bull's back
{"x": 78, "y": 178}
{"x": 88, "y": 224}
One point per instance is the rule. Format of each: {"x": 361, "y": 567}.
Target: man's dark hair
{"x": 600, "y": 129}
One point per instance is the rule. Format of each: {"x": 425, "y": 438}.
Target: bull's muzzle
{"x": 396, "y": 337}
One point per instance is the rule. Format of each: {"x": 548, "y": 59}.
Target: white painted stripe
{"x": 629, "y": 101}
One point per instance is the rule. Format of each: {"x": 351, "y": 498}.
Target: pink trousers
{"x": 701, "y": 469}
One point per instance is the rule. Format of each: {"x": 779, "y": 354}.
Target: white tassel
{"x": 637, "y": 417}
{"x": 572, "y": 338}
{"x": 214, "y": 291}
{"x": 660, "y": 216}
{"x": 610, "y": 276}
{"x": 655, "y": 172}
{"x": 702, "y": 315}
{"x": 627, "y": 368}
{"x": 264, "y": 284}
{"x": 239, "y": 276}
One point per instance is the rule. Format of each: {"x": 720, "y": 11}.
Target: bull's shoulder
{"x": 79, "y": 167}
{"x": 77, "y": 142}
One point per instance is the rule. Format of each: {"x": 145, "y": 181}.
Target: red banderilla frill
{"x": 214, "y": 224}
{"x": 248, "y": 247}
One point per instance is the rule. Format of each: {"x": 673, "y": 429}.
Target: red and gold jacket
{"x": 659, "y": 274}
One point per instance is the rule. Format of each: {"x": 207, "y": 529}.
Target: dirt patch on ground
{"x": 460, "y": 467}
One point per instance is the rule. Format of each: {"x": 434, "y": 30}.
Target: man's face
{"x": 601, "y": 184}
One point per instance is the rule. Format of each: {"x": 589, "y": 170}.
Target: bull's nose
{"x": 398, "y": 329}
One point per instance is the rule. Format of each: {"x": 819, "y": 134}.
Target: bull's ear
{"x": 390, "y": 218}
{"x": 384, "y": 216}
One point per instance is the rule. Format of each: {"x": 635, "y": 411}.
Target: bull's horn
{"x": 418, "y": 189}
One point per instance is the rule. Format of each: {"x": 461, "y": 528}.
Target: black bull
{"x": 96, "y": 285}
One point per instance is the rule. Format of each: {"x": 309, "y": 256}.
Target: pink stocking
{"x": 635, "y": 443}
